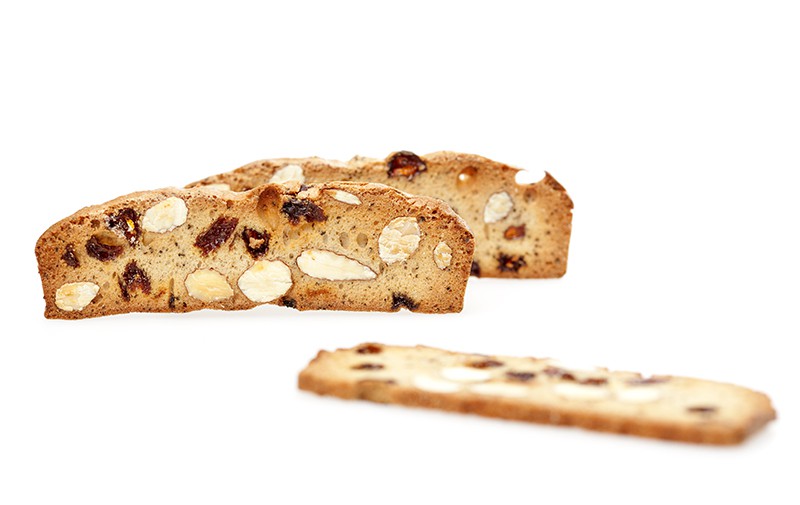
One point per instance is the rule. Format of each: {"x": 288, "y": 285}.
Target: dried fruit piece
{"x": 216, "y": 234}
{"x": 76, "y": 295}
{"x": 69, "y": 256}
{"x": 165, "y": 216}
{"x": 702, "y": 409}
{"x": 288, "y": 173}
{"x": 133, "y": 278}
{"x": 405, "y": 164}
{"x": 298, "y": 208}
{"x": 442, "y": 255}
{"x": 475, "y": 269}
{"x": 369, "y": 349}
{"x": 514, "y": 232}
{"x": 399, "y": 239}
{"x": 498, "y": 206}
{"x": 256, "y": 243}
{"x": 125, "y": 222}
{"x": 510, "y": 263}
{"x": 487, "y": 363}
{"x": 208, "y": 285}
{"x": 265, "y": 281}
{"x": 333, "y": 267}
{"x": 558, "y": 373}
{"x": 402, "y": 300}
{"x": 98, "y": 248}
{"x": 521, "y": 376}
{"x": 368, "y": 366}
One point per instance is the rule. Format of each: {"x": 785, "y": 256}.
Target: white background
{"x": 673, "y": 125}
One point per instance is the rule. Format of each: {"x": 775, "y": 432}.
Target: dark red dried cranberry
{"x": 171, "y": 302}
{"x": 475, "y": 269}
{"x": 702, "y": 409}
{"x": 126, "y": 223}
{"x": 521, "y": 376}
{"x": 368, "y": 366}
{"x": 257, "y": 243}
{"x": 402, "y": 300}
{"x": 510, "y": 263}
{"x": 558, "y": 373}
{"x": 69, "y": 256}
{"x": 133, "y": 278}
{"x": 487, "y": 363}
{"x": 216, "y": 235}
{"x": 594, "y": 381}
{"x": 514, "y": 232}
{"x": 289, "y": 302}
{"x": 101, "y": 251}
{"x": 405, "y": 164}
{"x": 296, "y": 209}
{"x": 369, "y": 349}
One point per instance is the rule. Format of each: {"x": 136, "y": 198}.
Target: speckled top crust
{"x": 521, "y": 230}
{"x": 541, "y": 390}
{"x": 308, "y": 247}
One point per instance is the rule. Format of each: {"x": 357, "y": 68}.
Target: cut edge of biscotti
{"x": 521, "y": 230}
{"x": 330, "y": 246}
{"x": 541, "y": 390}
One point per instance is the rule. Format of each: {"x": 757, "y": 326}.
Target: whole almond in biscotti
{"x": 521, "y": 230}
{"x": 337, "y": 246}
{"x": 542, "y": 391}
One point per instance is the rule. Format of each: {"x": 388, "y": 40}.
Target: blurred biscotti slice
{"x": 339, "y": 246}
{"x": 521, "y": 230}
{"x": 541, "y": 391}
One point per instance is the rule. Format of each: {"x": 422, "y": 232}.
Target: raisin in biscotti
{"x": 338, "y": 246}
{"x": 541, "y": 391}
{"x": 521, "y": 230}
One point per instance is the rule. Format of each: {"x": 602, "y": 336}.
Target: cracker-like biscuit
{"x": 541, "y": 391}
{"x": 337, "y": 246}
{"x": 521, "y": 230}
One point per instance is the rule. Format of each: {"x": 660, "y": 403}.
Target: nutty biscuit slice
{"x": 541, "y": 391}
{"x": 521, "y": 230}
{"x": 337, "y": 246}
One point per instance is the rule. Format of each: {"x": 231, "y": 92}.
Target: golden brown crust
{"x": 689, "y": 410}
{"x": 107, "y": 248}
{"x": 532, "y": 241}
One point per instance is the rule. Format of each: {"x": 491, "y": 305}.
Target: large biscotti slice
{"x": 339, "y": 246}
{"x": 541, "y": 391}
{"x": 521, "y": 230}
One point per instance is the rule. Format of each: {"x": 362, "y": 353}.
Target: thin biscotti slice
{"x": 541, "y": 391}
{"x": 521, "y": 230}
{"x": 340, "y": 246}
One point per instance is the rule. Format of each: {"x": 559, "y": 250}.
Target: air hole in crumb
{"x": 361, "y": 240}
{"x": 344, "y": 239}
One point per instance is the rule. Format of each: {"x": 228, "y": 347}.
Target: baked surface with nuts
{"x": 338, "y": 246}
{"x": 521, "y": 230}
{"x": 541, "y": 390}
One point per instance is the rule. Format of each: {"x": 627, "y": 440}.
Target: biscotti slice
{"x": 339, "y": 246}
{"x": 541, "y": 391}
{"x": 521, "y": 230}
